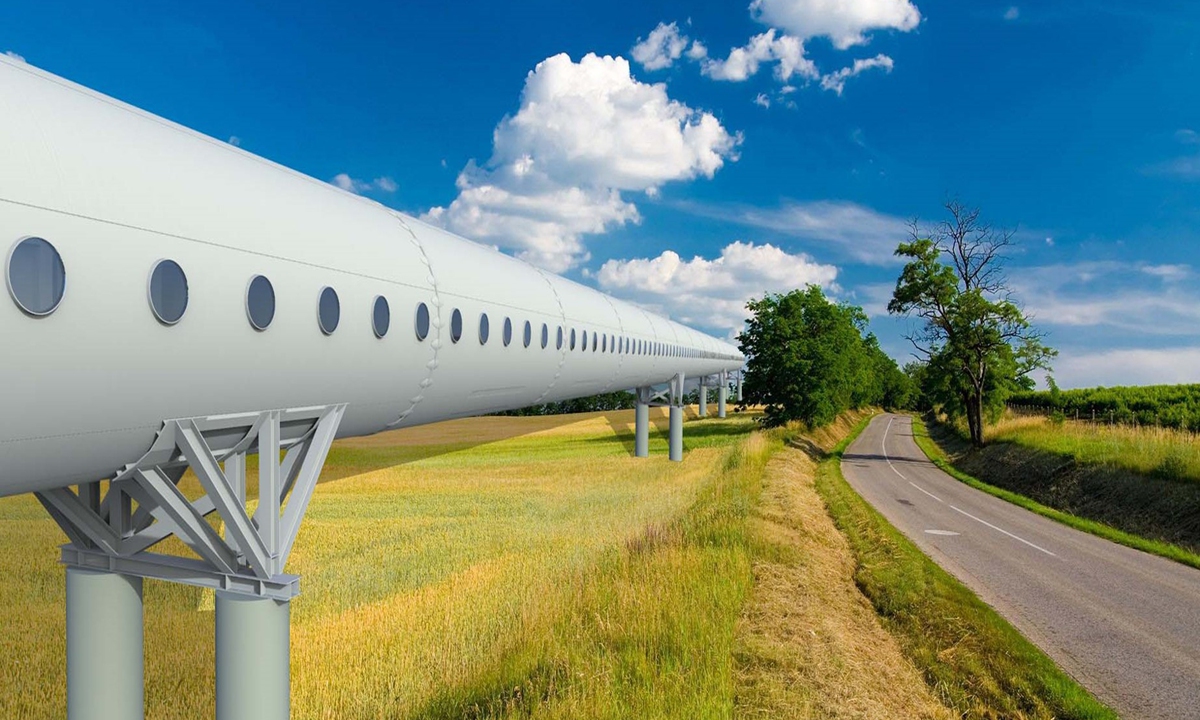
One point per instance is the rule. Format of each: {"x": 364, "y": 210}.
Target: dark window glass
{"x": 604, "y": 345}
{"x": 560, "y": 338}
{"x": 422, "y": 321}
{"x": 484, "y": 329}
{"x": 583, "y": 347}
{"x": 572, "y": 339}
{"x": 329, "y": 310}
{"x": 260, "y": 302}
{"x": 545, "y": 336}
{"x": 507, "y": 331}
{"x": 528, "y": 333}
{"x": 455, "y": 326}
{"x": 36, "y": 276}
{"x": 381, "y": 317}
{"x": 595, "y": 343}
{"x": 168, "y": 292}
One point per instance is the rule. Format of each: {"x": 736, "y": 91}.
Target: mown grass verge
{"x": 973, "y": 659}
{"x": 1155, "y": 547}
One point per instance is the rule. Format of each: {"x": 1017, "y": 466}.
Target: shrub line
{"x": 1155, "y": 547}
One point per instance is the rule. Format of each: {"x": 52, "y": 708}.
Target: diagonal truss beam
{"x": 107, "y": 530}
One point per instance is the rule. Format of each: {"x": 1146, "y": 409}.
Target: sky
{"x": 690, "y": 156}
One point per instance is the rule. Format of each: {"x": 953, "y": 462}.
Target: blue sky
{"x": 691, "y": 155}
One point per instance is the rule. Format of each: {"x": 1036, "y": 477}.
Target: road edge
{"x": 974, "y": 660}
{"x": 938, "y": 457}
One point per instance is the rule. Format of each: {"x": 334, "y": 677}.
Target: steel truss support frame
{"x": 112, "y": 532}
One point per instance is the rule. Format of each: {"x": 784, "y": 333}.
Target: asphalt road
{"x": 1125, "y": 624}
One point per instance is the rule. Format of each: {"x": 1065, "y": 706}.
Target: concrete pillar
{"x": 739, "y": 386}
{"x": 253, "y": 658}
{"x": 641, "y": 442}
{"x": 105, "y": 672}
{"x": 676, "y": 436}
{"x": 703, "y": 401}
{"x": 722, "y": 395}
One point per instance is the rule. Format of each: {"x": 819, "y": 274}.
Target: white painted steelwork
{"x": 117, "y": 190}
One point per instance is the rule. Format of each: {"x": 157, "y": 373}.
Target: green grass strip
{"x": 1155, "y": 547}
{"x": 974, "y": 660}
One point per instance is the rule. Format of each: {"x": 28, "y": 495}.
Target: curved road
{"x": 1123, "y": 623}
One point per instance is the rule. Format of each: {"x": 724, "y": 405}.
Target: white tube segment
{"x": 116, "y": 190}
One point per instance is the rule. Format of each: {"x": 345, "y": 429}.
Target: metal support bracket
{"x": 144, "y": 505}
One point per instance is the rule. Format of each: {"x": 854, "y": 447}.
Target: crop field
{"x": 1171, "y": 406}
{"x": 483, "y": 567}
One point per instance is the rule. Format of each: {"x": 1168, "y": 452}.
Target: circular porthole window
{"x": 507, "y": 331}
{"x": 329, "y": 310}
{"x": 381, "y": 317}
{"x": 36, "y": 276}
{"x": 168, "y": 292}
{"x": 260, "y": 302}
{"x": 455, "y": 326}
{"x": 422, "y": 324}
{"x": 484, "y": 329}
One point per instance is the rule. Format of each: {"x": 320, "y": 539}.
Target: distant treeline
{"x": 1173, "y": 406}
{"x": 620, "y": 400}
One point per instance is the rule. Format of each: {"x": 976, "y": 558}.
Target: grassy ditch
{"x": 1141, "y": 512}
{"x": 976, "y": 663}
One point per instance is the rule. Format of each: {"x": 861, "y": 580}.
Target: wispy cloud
{"x": 1186, "y": 166}
{"x": 14, "y": 56}
{"x": 836, "y": 81}
{"x": 1012, "y": 13}
{"x": 851, "y": 230}
{"x": 1129, "y": 366}
{"x": 349, "y": 184}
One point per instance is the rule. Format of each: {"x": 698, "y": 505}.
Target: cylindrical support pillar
{"x": 722, "y": 396}
{"x": 105, "y": 677}
{"x": 676, "y": 443}
{"x": 739, "y": 387}
{"x": 641, "y": 440}
{"x": 253, "y": 658}
{"x": 703, "y": 401}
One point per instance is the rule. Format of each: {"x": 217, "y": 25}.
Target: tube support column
{"x": 676, "y": 445}
{"x": 105, "y": 672}
{"x": 703, "y": 401}
{"x": 739, "y": 385}
{"x": 641, "y": 441}
{"x": 253, "y": 658}
{"x": 722, "y": 396}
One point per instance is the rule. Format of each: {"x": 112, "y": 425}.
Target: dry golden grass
{"x": 1172, "y": 454}
{"x": 438, "y": 565}
{"x": 810, "y": 645}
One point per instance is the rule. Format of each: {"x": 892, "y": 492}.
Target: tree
{"x": 978, "y": 345}
{"x": 808, "y": 359}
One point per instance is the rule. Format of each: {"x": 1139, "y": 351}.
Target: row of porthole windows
{"x": 37, "y": 278}
{"x": 604, "y": 343}
{"x": 37, "y": 281}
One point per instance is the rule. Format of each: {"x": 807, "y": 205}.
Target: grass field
{"x": 444, "y": 569}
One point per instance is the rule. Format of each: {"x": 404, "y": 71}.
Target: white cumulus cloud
{"x": 349, "y": 184}
{"x": 661, "y": 48}
{"x": 744, "y": 62}
{"x": 585, "y": 132}
{"x": 836, "y": 81}
{"x": 1128, "y": 366}
{"x": 844, "y": 22}
{"x": 712, "y": 293}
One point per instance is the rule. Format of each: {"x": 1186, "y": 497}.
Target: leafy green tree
{"x": 809, "y": 359}
{"x": 978, "y": 345}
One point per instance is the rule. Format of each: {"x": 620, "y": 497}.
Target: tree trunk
{"x": 977, "y": 413}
